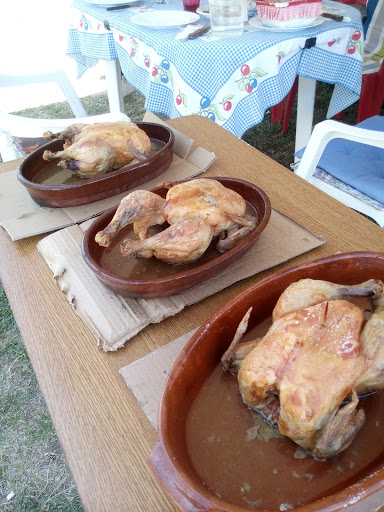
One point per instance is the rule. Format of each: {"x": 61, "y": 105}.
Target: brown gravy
{"x": 54, "y": 175}
{"x": 243, "y": 460}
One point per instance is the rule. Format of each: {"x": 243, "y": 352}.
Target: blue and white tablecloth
{"x": 232, "y": 81}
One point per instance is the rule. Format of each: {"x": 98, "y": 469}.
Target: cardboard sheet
{"x": 114, "y": 319}
{"x": 147, "y": 376}
{"x": 21, "y": 217}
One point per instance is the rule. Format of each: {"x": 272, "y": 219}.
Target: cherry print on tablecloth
{"x": 210, "y": 110}
{"x": 161, "y": 73}
{"x": 355, "y": 44}
{"x": 248, "y": 81}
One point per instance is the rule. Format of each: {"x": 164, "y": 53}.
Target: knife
{"x": 334, "y": 17}
{"x": 200, "y": 31}
{"x": 117, "y": 7}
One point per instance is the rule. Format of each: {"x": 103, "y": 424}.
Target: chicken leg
{"x": 141, "y": 208}
{"x": 341, "y": 430}
{"x": 183, "y": 242}
{"x": 236, "y": 352}
{"x": 372, "y": 342}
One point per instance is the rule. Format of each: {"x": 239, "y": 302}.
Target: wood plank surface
{"x": 104, "y": 433}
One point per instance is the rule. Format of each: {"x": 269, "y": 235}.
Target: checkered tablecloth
{"x": 232, "y": 81}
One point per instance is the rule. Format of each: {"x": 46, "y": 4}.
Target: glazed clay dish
{"x": 214, "y": 453}
{"x": 84, "y": 191}
{"x": 151, "y": 278}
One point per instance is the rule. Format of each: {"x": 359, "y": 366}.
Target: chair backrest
{"x": 31, "y": 127}
{"x": 374, "y": 36}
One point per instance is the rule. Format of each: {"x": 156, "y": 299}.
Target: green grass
{"x": 32, "y": 464}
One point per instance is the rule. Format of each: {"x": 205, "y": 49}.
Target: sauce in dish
{"x": 52, "y": 174}
{"x": 245, "y": 461}
{"x": 128, "y": 267}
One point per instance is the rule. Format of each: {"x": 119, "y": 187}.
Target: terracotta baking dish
{"x": 152, "y": 278}
{"x": 93, "y": 189}
{"x": 171, "y": 459}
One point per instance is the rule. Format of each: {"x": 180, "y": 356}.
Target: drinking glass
{"x": 191, "y": 5}
{"x": 226, "y": 17}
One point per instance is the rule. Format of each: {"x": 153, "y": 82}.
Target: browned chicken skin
{"x": 319, "y": 351}
{"x": 210, "y": 209}
{"x": 141, "y": 208}
{"x": 184, "y": 241}
{"x": 94, "y": 149}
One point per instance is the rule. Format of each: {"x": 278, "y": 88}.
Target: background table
{"x": 231, "y": 81}
{"x": 104, "y": 433}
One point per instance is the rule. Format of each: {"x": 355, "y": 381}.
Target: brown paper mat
{"x": 114, "y": 319}
{"x": 146, "y": 377}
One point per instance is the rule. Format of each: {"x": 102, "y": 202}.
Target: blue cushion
{"x": 359, "y": 165}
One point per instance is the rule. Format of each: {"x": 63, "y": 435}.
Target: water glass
{"x": 227, "y": 19}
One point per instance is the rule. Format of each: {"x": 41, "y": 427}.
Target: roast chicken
{"x": 94, "y": 149}
{"x": 321, "y": 352}
{"x": 196, "y": 211}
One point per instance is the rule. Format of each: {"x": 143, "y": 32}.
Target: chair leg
{"x": 365, "y": 101}
{"x": 339, "y": 116}
{"x": 290, "y": 100}
{"x": 378, "y": 93}
{"x": 70, "y": 94}
{"x": 277, "y": 112}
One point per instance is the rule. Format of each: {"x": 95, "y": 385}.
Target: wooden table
{"x": 104, "y": 433}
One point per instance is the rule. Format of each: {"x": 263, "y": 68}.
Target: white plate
{"x": 164, "y": 19}
{"x": 256, "y": 22}
{"x": 111, "y": 3}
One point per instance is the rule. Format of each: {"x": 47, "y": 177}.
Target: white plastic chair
{"x": 12, "y": 126}
{"x": 307, "y": 168}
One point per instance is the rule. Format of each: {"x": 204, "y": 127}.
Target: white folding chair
{"x": 344, "y": 192}
{"x": 56, "y": 76}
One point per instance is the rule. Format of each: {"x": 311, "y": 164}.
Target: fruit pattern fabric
{"x": 231, "y": 81}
